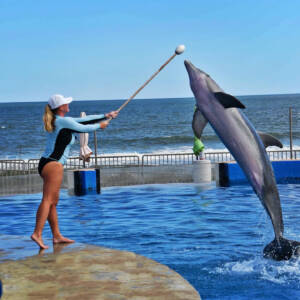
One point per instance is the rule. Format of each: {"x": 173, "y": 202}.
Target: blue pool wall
{"x": 287, "y": 171}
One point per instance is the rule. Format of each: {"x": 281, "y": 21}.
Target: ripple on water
{"x": 213, "y": 237}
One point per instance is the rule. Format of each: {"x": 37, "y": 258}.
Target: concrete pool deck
{"x": 117, "y": 176}
{"x": 79, "y": 271}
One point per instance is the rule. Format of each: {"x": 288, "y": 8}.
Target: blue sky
{"x": 107, "y": 49}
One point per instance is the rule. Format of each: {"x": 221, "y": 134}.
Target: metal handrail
{"x": 168, "y": 159}
{"x": 222, "y": 156}
{"x": 12, "y": 166}
{"x": 19, "y": 166}
{"x": 102, "y": 162}
{"x": 105, "y": 161}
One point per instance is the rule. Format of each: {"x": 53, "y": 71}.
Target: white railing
{"x": 20, "y": 167}
{"x": 12, "y": 166}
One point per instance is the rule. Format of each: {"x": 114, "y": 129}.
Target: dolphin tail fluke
{"x": 269, "y": 140}
{"x": 282, "y": 250}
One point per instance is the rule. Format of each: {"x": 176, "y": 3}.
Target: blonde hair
{"x": 49, "y": 119}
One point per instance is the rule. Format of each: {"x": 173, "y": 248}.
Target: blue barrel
{"x": 87, "y": 181}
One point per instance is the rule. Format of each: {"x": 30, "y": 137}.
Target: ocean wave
{"x": 185, "y": 138}
{"x": 183, "y": 149}
{"x": 162, "y": 139}
{"x": 154, "y": 140}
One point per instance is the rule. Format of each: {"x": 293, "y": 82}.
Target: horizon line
{"x": 159, "y": 98}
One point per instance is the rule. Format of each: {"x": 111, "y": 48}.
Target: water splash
{"x": 282, "y": 272}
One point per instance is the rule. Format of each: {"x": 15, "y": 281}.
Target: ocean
{"x": 144, "y": 125}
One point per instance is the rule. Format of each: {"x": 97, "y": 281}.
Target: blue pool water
{"x": 213, "y": 237}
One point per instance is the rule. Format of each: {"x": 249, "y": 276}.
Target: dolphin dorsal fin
{"x": 269, "y": 140}
{"x": 199, "y": 123}
{"x": 228, "y": 101}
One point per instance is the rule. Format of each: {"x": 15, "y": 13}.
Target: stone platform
{"x": 79, "y": 271}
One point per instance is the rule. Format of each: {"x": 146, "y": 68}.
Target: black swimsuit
{"x": 60, "y": 140}
{"x": 43, "y": 161}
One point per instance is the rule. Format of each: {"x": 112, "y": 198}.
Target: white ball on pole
{"x": 180, "y": 49}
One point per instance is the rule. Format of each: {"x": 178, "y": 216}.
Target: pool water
{"x": 212, "y": 236}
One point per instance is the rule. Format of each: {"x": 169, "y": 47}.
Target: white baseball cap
{"x": 56, "y": 101}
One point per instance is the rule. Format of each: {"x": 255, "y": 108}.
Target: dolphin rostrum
{"x": 247, "y": 146}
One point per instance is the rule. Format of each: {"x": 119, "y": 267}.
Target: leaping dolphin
{"x": 237, "y": 133}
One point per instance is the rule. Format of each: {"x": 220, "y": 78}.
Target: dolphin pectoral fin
{"x": 228, "y": 101}
{"x": 199, "y": 123}
{"x": 269, "y": 140}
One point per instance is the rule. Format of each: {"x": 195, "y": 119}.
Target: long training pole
{"x": 180, "y": 49}
{"x": 291, "y": 132}
{"x": 95, "y": 147}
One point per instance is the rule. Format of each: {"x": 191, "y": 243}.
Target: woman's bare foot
{"x": 62, "y": 239}
{"x": 39, "y": 241}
